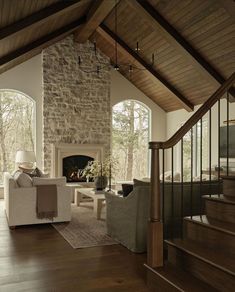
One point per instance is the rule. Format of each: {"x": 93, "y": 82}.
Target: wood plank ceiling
{"x": 194, "y": 40}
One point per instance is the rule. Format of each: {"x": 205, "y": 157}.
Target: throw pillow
{"x": 38, "y": 172}
{"x": 35, "y": 172}
{"x": 127, "y": 189}
{"x": 28, "y": 171}
{"x": 23, "y": 180}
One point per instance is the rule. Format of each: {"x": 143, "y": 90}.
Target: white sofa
{"x": 20, "y": 202}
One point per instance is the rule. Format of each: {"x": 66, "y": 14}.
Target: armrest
{"x": 59, "y": 181}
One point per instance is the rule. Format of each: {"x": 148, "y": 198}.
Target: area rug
{"x": 85, "y": 230}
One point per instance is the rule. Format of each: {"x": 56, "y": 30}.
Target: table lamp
{"x": 25, "y": 158}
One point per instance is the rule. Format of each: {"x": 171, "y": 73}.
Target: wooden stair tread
{"x": 221, "y": 260}
{"x": 180, "y": 279}
{"x": 225, "y": 227}
{"x": 230, "y": 177}
{"x": 219, "y": 198}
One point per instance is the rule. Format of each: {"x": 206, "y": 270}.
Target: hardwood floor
{"x": 37, "y": 258}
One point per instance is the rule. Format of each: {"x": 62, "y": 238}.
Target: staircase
{"x": 204, "y": 259}
{"x": 202, "y": 256}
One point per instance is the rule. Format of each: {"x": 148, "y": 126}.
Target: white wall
{"x": 175, "y": 119}
{"x": 122, "y": 89}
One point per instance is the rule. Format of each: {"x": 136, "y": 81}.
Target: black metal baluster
{"x": 163, "y": 185}
{"x": 182, "y": 186}
{"x": 219, "y": 147}
{"x": 227, "y": 133}
{"x": 191, "y": 186}
{"x": 210, "y": 125}
{"x": 201, "y": 167}
{"x": 196, "y": 150}
{"x": 172, "y": 191}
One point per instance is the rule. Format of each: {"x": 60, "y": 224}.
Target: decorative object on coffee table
{"x": 100, "y": 171}
{"x": 101, "y": 182}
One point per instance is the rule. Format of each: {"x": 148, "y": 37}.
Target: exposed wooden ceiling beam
{"x": 153, "y": 18}
{"x": 98, "y": 12}
{"x": 229, "y": 6}
{"x": 22, "y": 54}
{"x": 111, "y": 37}
{"x": 40, "y": 17}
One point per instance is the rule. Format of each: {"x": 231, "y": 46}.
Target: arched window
{"x": 130, "y": 137}
{"x": 17, "y": 131}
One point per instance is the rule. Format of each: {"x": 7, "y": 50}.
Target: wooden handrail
{"x": 195, "y": 117}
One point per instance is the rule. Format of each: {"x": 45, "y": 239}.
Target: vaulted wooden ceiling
{"x": 193, "y": 40}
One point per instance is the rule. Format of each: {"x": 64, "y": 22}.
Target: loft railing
{"x": 157, "y": 230}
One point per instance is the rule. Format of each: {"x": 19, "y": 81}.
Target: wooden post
{"x": 155, "y": 225}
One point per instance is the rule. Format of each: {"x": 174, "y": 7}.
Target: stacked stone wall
{"x": 76, "y": 105}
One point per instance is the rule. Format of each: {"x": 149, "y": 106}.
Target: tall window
{"x": 130, "y": 137}
{"x": 16, "y": 127}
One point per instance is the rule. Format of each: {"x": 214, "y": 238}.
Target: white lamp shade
{"x": 23, "y": 156}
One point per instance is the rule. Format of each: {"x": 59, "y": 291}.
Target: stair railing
{"x": 155, "y": 228}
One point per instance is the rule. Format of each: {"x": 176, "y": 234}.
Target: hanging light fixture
{"x": 115, "y": 65}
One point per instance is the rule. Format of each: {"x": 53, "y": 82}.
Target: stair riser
{"x": 204, "y": 271}
{"x": 158, "y": 284}
{"x": 229, "y": 187}
{"x": 220, "y": 211}
{"x": 209, "y": 237}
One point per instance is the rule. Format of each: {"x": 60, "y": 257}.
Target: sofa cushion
{"x": 60, "y": 181}
{"x": 168, "y": 176}
{"x": 140, "y": 183}
{"x": 126, "y": 189}
{"x": 22, "y": 179}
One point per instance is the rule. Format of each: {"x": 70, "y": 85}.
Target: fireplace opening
{"x": 73, "y": 167}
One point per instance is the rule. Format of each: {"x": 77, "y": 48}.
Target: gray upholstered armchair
{"x": 127, "y": 218}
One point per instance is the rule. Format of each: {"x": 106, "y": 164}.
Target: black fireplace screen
{"x": 73, "y": 167}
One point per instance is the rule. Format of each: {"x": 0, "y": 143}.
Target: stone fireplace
{"x": 69, "y": 159}
{"x": 76, "y": 105}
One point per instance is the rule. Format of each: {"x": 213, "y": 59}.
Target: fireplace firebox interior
{"x": 73, "y": 167}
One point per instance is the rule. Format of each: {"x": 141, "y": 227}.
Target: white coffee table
{"x": 98, "y": 199}
{"x": 73, "y": 186}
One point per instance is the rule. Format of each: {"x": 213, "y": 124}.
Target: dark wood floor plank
{"x": 37, "y": 258}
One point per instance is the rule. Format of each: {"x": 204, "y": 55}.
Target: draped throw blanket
{"x": 46, "y": 205}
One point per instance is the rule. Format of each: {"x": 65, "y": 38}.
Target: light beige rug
{"x": 85, "y": 230}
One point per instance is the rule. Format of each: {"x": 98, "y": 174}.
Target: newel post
{"x": 155, "y": 225}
